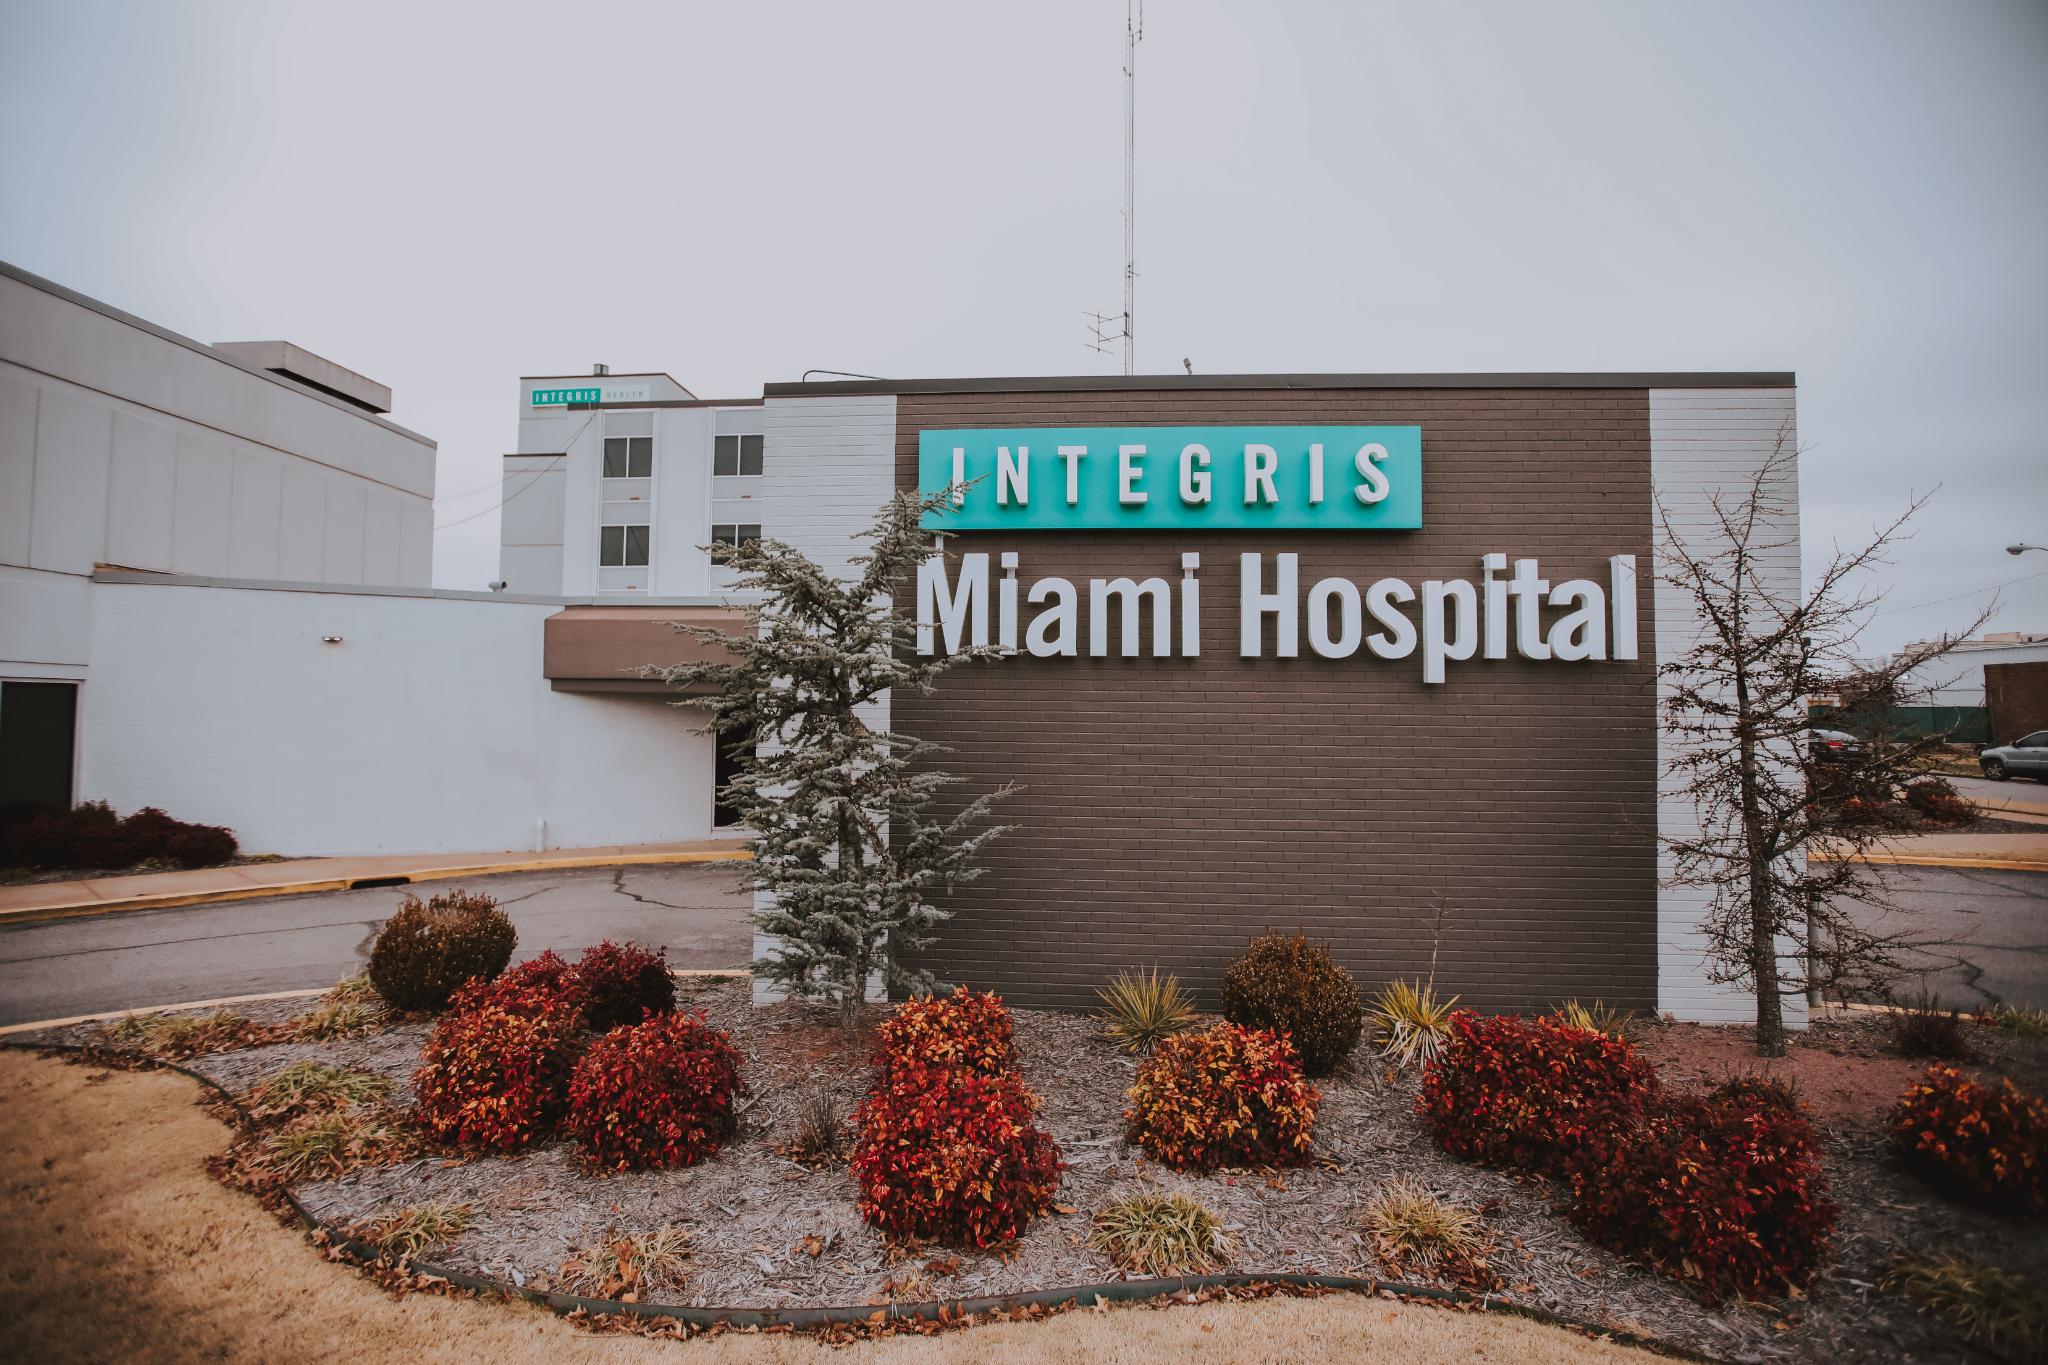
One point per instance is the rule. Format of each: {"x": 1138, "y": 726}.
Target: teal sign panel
{"x": 1265, "y": 478}
{"x": 556, "y": 398}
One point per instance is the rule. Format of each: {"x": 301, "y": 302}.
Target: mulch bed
{"x": 766, "y": 1232}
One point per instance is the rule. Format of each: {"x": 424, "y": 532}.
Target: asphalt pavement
{"x": 1986, "y": 933}
{"x": 160, "y": 957}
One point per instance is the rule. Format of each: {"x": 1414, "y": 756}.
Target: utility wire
{"x": 1974, "y": 592}
{"x": 538, "y": 475}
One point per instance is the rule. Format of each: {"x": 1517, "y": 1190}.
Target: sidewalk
{"x": 298, "y": 876}
{"x": 2009, "y": 852}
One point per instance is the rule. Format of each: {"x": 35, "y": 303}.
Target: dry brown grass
{"x": 104, "y": 1193}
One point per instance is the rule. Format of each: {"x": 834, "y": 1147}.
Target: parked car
{"x": 1835, "y": 746}
{"x": 2026, "y": 757}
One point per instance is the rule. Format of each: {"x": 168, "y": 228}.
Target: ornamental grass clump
{"x": 1413, "y": 1229}
{"x": 622, "y": 983}
{"x": 1159, "y": 1234}
{"x": 627, "y": 1266}
{"x": 1922, "y": 1028}
{"x": 967, "y": 1028}
{"x": 306, "y": 1086}
{"x": 1597, "y": 1016}
{"x": 321, "y": 1146}
{"x": 416, "y": 1229}
{"x": 1293, "y": 986}
{"x": 349, "y": 1009}
{"x": 1139, "y": 1009}
{"x": 655, "y": 1095}
{"x": 1983, "y": 1142}
{"x": 947, "y": 1153}
{"x": 174, "y": 1037}
{"x": 429, "y": 949}
{"x": 1411, "y": 1022}
{"x": 2017, "y": 1020}
{"x": 1227, "y": 1096}
{"x": 494, "y": 1073}
{"x": 1993, "y": 1308}
{"x": 819, "y": 1137}
{"x": 1723, "y": 1191}
{"x": 1523, "y": 1094}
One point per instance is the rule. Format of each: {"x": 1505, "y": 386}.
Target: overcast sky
{"x": 447, "y": 197}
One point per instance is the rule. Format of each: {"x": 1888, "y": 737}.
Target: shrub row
{"x": 1987, "y": 1143}
{"x": 946, "y": 1147}
{"x": 512, "y": 1061}
{"x": 1724, "y": 1190}
{"x": 93, "y": 836}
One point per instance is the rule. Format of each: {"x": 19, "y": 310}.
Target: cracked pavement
{"x": 1995, "y": 930}
{"x": 160, "y": 957}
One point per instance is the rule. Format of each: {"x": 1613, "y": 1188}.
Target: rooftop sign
{"x": 1175, "y": 478}
{"x": 590, "y": 393}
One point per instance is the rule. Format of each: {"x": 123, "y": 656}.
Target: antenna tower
{"x": 1103, "y": 328}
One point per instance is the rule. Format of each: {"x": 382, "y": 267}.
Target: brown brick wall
{"x": 2016, "y": 700}
{"x": 1174, "y": 807}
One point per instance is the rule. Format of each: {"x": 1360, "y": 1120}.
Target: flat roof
{"x": 108, "y": 310}
{"x": 1711, "y": 379}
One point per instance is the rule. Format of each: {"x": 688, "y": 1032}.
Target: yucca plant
{"x": 1990, "y": 1307}
{"x": 1141, "y": 1008}
{"x": 2015, "y": 1019}
{"x": 1598, "y": 1017}
{"x": 1412, "y": 1229}
{"x": 1411, "y": 1022}
{"x": 314, "y": 1085}
{"x": 417, "y": 1229}
{"x": 820, "y": 1137}
{"x": 1159, "y": 1234}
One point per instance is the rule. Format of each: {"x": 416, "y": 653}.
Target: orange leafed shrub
{"x": 951, "y": 1154}
{"x": 495, "y": 1072}
{"x": 966, "y": 1028}
{"x": 1228, "y": 1096}
{"x": 1991, "y": 1144}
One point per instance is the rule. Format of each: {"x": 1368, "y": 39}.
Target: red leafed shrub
{"x": 1228, "y": 1096}
{"x": 949, "y": 1154}
{"x": 1724, "y": 1191}
{"x": 622, "y": 983}
{"x": 656, "y": 1094}
{"x": 91, "y": 835}
{"x": 1938, "y": 801}
{"x": 1522, "y": 1093}
{"x": 549, "y": 973}
{"x": 1990, "y": 1144}
{"x": 495, "y": 1071}
{"x": 963, "y": 1029}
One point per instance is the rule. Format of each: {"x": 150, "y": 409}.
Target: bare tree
{"x": 1784, "y": 825}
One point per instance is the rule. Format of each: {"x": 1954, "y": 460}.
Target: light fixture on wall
{"x": 330, "y": 639}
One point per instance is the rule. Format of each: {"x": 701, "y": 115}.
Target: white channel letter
{"x": 959, "y": 475}
{"x": 1437, "y": 647}
{"x": 1372, "y": 480}
{"x": 1194, "y": 474}
{"x": 1052, "y": 630}
{"x": 1253, "y": 604}
{"x": 1129, "y": 594}
{"x": 1580, "y": 633}
{"x": 1073, "y": 455}
{"x": 1350, "y": 619}
{"x": 1259, "y": 464}
{"x": 1130, "y": 467}
{"x": 1621, "y": 600}
{"x": 1397, "y": 638}
{"x": 962, "y": 610}
{"x": 1013, "y": 476}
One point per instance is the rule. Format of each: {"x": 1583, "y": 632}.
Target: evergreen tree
{"x": 845, "y": 840}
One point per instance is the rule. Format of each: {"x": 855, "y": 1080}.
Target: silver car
{"x": 2026, "y": 757}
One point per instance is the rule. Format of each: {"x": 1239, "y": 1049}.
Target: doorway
{"x": 38, "y": 738}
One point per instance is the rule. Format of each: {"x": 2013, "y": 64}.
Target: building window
{"x": 622, "y": 546}
{"x": 629, "y": 457}
{"x": 736, "y": 455}
{"x": 731, "y": 533}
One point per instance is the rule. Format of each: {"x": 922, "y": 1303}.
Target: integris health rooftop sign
{"x": 1317, "y": 480}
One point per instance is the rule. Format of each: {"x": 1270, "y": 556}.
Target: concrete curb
{"x": 1950, "y": 860}
{"x": 174, "y": 900}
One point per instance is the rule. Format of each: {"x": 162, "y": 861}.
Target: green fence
{"x": 1962, "y": 724}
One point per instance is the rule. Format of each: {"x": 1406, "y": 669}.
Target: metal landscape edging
{"x": 949, "y": 1311}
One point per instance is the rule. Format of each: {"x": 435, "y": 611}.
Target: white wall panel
{"x": 364, "y": 746}
{"x": 74, "y": 438}
{"x": 255, "y": 516}
{"x": 17, "y": 467}
{"x": 1703, "y": 442}
{"x": 142, "y": 487}
{"x": 830, "y": 465}
{"x": 302, "y": 527}
{"x": 345, "y": 516}
{"x": 199, "y": 526}
{"x": 380, "y": 540}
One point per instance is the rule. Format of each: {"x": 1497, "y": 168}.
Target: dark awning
{"x": 602, "y": 649}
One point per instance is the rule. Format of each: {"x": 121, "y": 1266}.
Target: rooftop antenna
{"x": 1103, "y": 328}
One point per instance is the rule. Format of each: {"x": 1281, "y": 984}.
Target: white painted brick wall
{"x": 1704, "y": 441}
